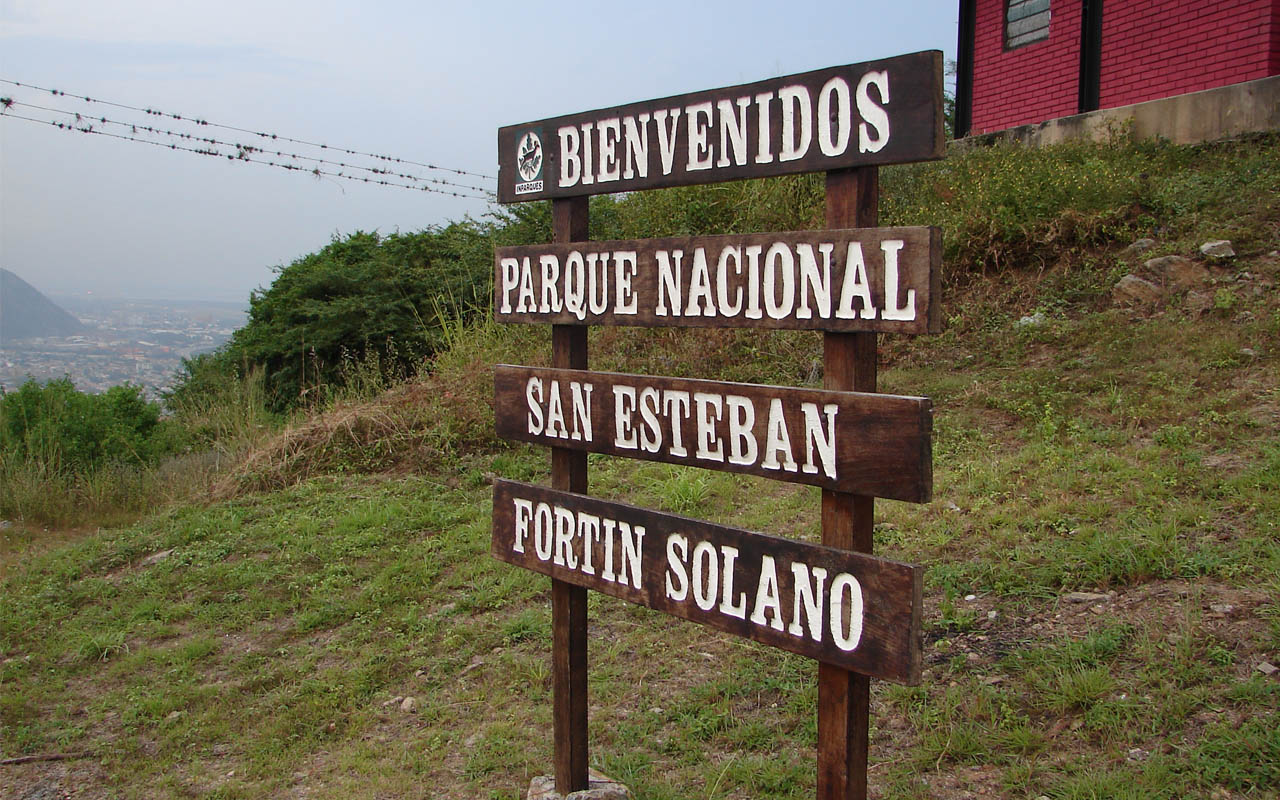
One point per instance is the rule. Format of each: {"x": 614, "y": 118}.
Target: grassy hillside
{"x": 1102, "y": 554}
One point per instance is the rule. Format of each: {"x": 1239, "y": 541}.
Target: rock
{"x": 1178, "y": 273}
{"x": 5, "y": 524}
{"x": 993, "y": 615}
{"x": 156, "y": 558}
{"x": 950, "y": 506}
{"x": 1140, "y": 246}
{"x": 969, "y": 598}
{"x": 1134, "y": 290}
{"x": 1248, "y": 352}
{"x": 600, "y": 786}
{"x": 1197, "y": 303}
{"x": 1220, "y": 248}
{"x": 1034, "y": 321}
{"x": 174, "y": 715}
{"x": 1221, "y": 608}
{"x": 1267, "y": 668}
{"x": 1138, "y": 754}
{"x": 1085, "y": 597}
{"x": 408, "y": 705}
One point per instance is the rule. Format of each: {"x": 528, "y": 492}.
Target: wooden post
{"x": 849, "y": 364}
{"x": 569, "y": 220}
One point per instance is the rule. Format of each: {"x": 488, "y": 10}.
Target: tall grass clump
{"x": 66, "y": 455}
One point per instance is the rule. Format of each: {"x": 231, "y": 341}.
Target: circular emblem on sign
{"x": 529, "y": 156}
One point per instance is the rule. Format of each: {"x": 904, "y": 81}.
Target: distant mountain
{"x": 25, "y": 313}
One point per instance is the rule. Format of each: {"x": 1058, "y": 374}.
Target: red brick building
{"x": 1026, "y": 61}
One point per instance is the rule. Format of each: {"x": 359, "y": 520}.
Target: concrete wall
{"x": 1220, "y": 113}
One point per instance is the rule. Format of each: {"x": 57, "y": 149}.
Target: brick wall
{"x": 1150, "y": 49}
{"x": 1159, "y": 48}
{"x": 1030, "y": 84}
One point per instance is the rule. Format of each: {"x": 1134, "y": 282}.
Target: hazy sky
{"x": 425, "y": 81}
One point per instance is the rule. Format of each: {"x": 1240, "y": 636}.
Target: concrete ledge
{"x": 1241, "y": 108}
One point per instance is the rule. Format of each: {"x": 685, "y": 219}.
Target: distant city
{"x": 136, "y": 341}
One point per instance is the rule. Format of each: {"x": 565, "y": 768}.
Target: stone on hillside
{"x": 600, "y": 786}
{"x": 1134, "y": 290}
{"x": 1267, "y": 669}
{"x": 408, "y": 705}
{"x": 1197, "y": 303}
{"x": 156, "y": 558}
{"x": 1178, "y": 272}
{"x": 1140, "y": 246}
{"x": 1085, "y": 597}
{"x": 1220, "y": 248}
{"x": 1033, "y": 321}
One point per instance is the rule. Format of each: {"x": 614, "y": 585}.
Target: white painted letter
{"x": 524, "y": 513}
{"x": 667, "y": 137}
{"x": 710, "y": 448}
{"x": 699, "y": 123}
{"x": 706, "y": 575}
{"x": 533, "y": 398}
{"x": 856, "y": 285}
{"x": 795, "y": 142}
{"x": 846, "y": 641}
{"x": 813, "y": 436}
{"x": 767, "y": 596}
{"x": 779, "y": 252}
{"x": 570, "y": 161}
{"x": 624, "y": 434}
{"x": 838, "y": 118}
{"x": 610, "y": 169}
{"x": 872, "y": 113}
{"x": 679, "y": 589}
{"x": 891, "y": 308}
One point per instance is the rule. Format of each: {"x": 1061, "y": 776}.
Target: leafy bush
{"x": 66, "y": 429}
{"x": 360, "y": 300}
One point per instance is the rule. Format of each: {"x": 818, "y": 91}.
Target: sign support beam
{"x": 849, "y": 364}
{"x": 569, "y": 219}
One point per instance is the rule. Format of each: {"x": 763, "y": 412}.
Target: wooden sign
{"x": 878, "y": 112}
{"x": 851, "y": 610}
{"x": 868, "y": 444}
{"x": 870, "y": 279}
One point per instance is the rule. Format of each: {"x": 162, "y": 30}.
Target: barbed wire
{"x": 240, "y": 155}
{"x": 262, "y": 134}
{"x": 135, "y": 128}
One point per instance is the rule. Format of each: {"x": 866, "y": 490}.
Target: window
{"x": 1025, "y": 22}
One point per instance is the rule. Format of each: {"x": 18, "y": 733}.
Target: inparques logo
{"x": 529, "y": 161}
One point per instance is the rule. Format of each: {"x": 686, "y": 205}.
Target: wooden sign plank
{"x": 869, "y": 279}
{"x": 886, "y": 111}
{"x": 852, "y": 610}
{"x": 868, "y": 444}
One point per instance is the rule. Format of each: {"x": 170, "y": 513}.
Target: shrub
{"x": 65, "y": 429}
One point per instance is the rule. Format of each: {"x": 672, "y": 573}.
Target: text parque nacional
{"x": 881, "y": 278}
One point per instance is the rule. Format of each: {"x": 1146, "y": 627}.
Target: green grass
{"x": 1108, "y": 451}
